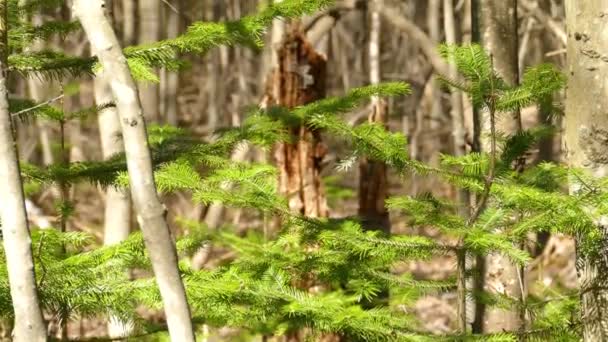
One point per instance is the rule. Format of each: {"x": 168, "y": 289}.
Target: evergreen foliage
{"x": 261, "y": 288}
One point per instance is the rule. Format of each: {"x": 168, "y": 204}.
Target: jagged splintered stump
{"x": 298, "y": 80}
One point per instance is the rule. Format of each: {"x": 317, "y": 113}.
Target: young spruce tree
{"x": 258, "y": 290}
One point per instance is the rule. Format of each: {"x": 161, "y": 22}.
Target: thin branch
{"x": 45, "y": 103}
{"x": 546, "y": 20}
{"x": 173, "y": 8}
{"x": 427, "y": 46}
{"x": 187, "y": 19}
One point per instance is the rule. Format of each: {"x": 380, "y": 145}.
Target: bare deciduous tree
{"x": 151, "y": 214}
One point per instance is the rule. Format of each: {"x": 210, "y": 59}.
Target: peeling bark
{"x": 300, "y": 79}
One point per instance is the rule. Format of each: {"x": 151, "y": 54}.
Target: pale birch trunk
{"x": 29, "y": 324}
{"x": 149, "y": 16}
{"x": 586, "y": 143}
{"x": 171, "y": 78}
{"x": 117, "y": 213}
{"x": 150, "y": 212}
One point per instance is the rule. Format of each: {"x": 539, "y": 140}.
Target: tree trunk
{"x": 436, "y": 115}
{"x": 586, "y": 139}
{"x": 373, "y": 186}
{"x": 29, "y": 325}
{"x": 129, "y": 11}
{"x": 456, "y": 105}
{"x": 498, "y": 33}
{"x": 38, "y": 91}
{"x": 173, "y": 24}
{"x": 151, "y": 214}
{"x": 149, "y": 16}
{"x": 117, "y": 214}
{"x": 300, "y": 79}
{"x": 458, "y": 139}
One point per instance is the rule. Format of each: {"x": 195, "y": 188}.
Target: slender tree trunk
{"x": 456, "y": 105}
{"x": 38, "y": 92}
{"x": 212, "y": 80}
{"x": 434, "y": 25}
{"x": 29, "y": 325}
{"x": 149, "y": 16}
{"x": 473, "y": 27}
{"x": 276, "y": 39}
{"x": 129, "y": 10}
{"x": 173, "y": 24}
{"x": 151, "y": 214}
{"x": 585, "y": 145}
{"x": 458, "y": 139}
{"x": 548, "y": 147}
{"x": 498, "y": 33}
{"x": 373, "y": 182}
{"x": 117, "y": 214}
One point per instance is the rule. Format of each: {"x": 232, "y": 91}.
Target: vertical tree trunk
{"x": 173, "y": 24}
{"x": 300, "y": 79}
{"x": 498, "y": 33}
{"x": 455, "y": 97}
{"x": 434, "y": 25}
{"x": 149, "y": 16}
{"x": 586, "y": 141}
{"x": 129, "y": 10}
{"x": 29, "y": 325}
{"x": 277, "y": 35}
{"x": 458, "y": 139}
{"x": 151, "y": 214}
{"x": 373, "y": 187}
{"x": 212, "y": 80}
{"x": 38, "y": 92}
{"x": 117, "y": 214}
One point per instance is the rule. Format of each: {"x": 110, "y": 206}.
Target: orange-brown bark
{"x": 298, "y": 80}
